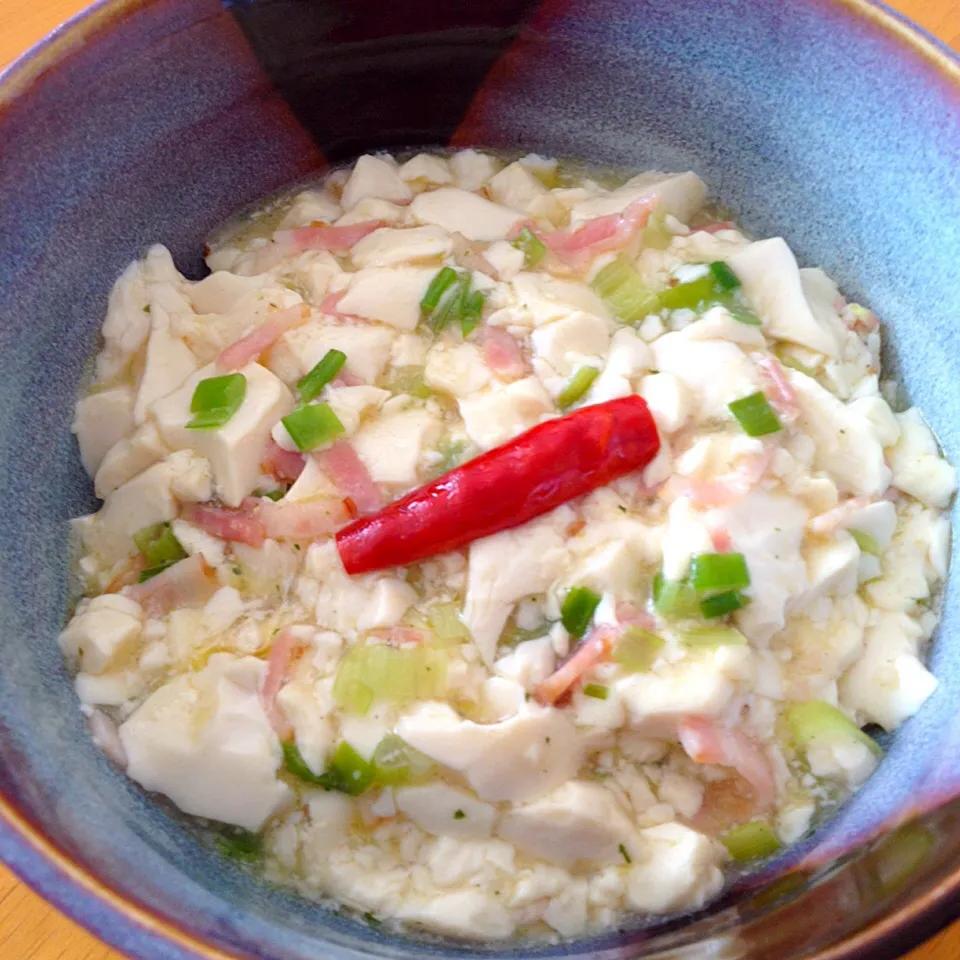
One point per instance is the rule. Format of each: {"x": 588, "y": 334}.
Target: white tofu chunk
{"x": 578, "y": 822}
{"x": 224, "y": 292}
{"x": 457, "y": 369}
{"x": 494, "y": 416}
{"x": 104, "y": 632}
{"x": 718, "y": 324}
{"x": 234, "y": 450}
{"x": 458, "y": 211}
{"x": 568, "y": 343}
{"x": 888, "y": 683}
{"x": 372, "y": 208}
{"x": 832, "y": 570}
{"x": 427, "y": 168}
{"x": 516, "y": 187}
{"x": 373, "y": 177}
{"x": 313, "y": 730}
{"x": 846, "y": 446}
{"x": 365, "y": 733}
{"x": 501, "y": 698}
{"x": 473, "y": 169}
{"x": 204, "y": 741}
{"x": 918, "y": 468}
{"x": 446, "y": 811}
{"x": 470, "y": 912}
{"x": 194, "y": 541}
{"x": 543, "y": 299}
{"x": 507, "y": 567}
{"x": 668, "y": 398}
{"x": 389, "y": 600}
{"x": 387, "y": 247}
{"x": 516, "y": 759}
{"x": 883, "y": 420}
{"x": 877, "y": 520}
{"x": 367, "y": 347}
{"x": 686, "y": 535}
{"x": 505, "y": 258}
{"x": 128, "y": 457}
{"x": 629, "y": 357}
{"x": 312, "y": 482}
{"x": 168, "y": 363}
{"x": 529, "y": 663}
{"x": 101, "y": 420}
{"x": 391, "y": 295}
{"x": 315, "y": 205}
{"x": 772, "y": 284}
{"x": 677, "y": 194}
{"x": 679, "y": 870}
{"x": 391, "y": 446}
{"x": 350, "y": 404}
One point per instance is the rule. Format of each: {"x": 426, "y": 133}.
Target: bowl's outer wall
{"x": 810, "y": 120}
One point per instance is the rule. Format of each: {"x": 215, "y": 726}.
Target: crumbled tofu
{"x": 446, "y": 811}
{"x": 678, "y": 194}
{"x": 473, "y": 169}
{"x": 516, "y": 187}
{"x": 308, "y": 207}
{"x": 374, "y": 177}
{"x": 427, "y": 168}
{"x": 391, "y": 295}
{"x": 391, "y": 446}
{"x": 668, "y": 398}
{"x": 101, "y": 421}
{"x": 496, "y": 415}
{"x": 352, "y": 404}
{"x": 128, "y": 457}
{"x": 568, "y": 343}
{"x": 529, "y": 663}
{"x": 387, "y": 247}
{"x": 459, "y": 211}
{"x": 104, "y": 632}
{"x": 457, "y": 369}
{"x": 917, "y": 466}
{"x": 366, "y": 346}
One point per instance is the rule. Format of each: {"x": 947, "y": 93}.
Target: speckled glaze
{"x": 830, "y": 121}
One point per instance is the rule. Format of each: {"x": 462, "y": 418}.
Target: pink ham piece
{"x": 279, "y": 663}
{"x": 321, "y": 237}
{"x": 611, "y": 232}
{"x": 594, "y": 648}
{"x": 248, "y": 348}
{"x": 283, "y": 465}
{"x": 709, "y": 741}
{"x": 303, "y": 520}
{"x": 725, "y": 489}
{"x": 348, "y": 474}
{"x": 630, "y": 616}
{"x": 778, "y": 389}
{"x": 236, "y": 525}
{"x": 828, "y": 521}
{"x": 399, "y": 636}
{"x": 347, "y": 379}
{"x": 188, "y": 583}
{"x": 501, "y": 353}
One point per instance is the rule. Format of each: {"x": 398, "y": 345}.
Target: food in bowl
{"x": 500, "y": 549}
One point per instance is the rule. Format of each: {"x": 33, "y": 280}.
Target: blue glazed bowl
{"x": 830, "y": 121}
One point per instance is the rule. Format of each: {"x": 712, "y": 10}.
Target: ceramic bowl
{"x": 832, "y": 122}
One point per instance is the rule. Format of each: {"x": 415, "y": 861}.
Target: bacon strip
{"x": 777, "y": 387}
{"x": 279, "y": 663}
{"x": 828, "y": 521}
{"x": 348, "y": 473}
{"x": 237, "y": 525}
{"x": 321, "y": 237}
{"x": 283, "y": 465}
{"x": 248, "y": 348}
{"x": 611, "y": 232}
{"x": 501, "y": 353}
{"x": 594, "y": 648}
{"x": 187, "y": 583}
{"x": 303, "y": 520}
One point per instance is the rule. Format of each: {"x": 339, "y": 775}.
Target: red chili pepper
{"x": 505, "y": 487}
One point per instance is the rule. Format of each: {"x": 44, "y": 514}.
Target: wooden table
{"x": 30, "y": 929}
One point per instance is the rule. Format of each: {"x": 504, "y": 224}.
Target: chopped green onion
{"x": 865, "y": 542}
{"x": 439, "y": 285}
{"x": 624, "y": 292}
{"x": 324, "y": 371}
{"x": 712, "y": 637}
{"x": 742, "y": 315}
{"x": 687, "y": 296}
{"x": 448, "y": 629}
{"x": 596, "y": 690}
{"x": 626, "y": 856}
{"x": 674, "y": 599}
{"x": 410, "y": 380}
{"x": 240, "y": 844}
{"x": 471, "y": 310}
{"x": 751, "y": 841}
{"x": 815, "y": 720}
{"x": 348, "y": 772}
{"x": 578, "y": 385}
{"x": 294, "y": 764}
{"x": 312, "y": 426}
{"x": 755, "y": 415}
{"x": 273, "y": 495}
{"x": 578, "y": 609}
{"x": 724, "y": 277}
{"x": 397, "y": 674}
{"x": 713, "y": 573}
{"x": 722, "y": 604}
{"x": 655, "y": 234}
{"x": 215, "y": 400}
{"x": 532, "y": 247}
{"x": 396, "y": 763}
{"x": 159, "y": 547}
{"x": 637, "y": 649}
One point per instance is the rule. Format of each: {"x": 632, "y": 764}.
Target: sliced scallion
{"x": 742, "y": 315}
{"x": 447, "y": 627}
{"x": 577, "y": 386}
{"x": 713, "y": 573}
{"x": 410, "y": 380}
{"x": 313, "y": 426}
{"x": 674, "y": 599}
{"x": 865, "y": 542}
{"x": 159, "y": 547}
{"x": 751, "y": 841}
{"x": 239, "y": 844}
{"x": 596, "y": 690}
{"x": 688, "y": 296}
{"x": 215, "y": 400}
{"x": 471, "y": 310}
{"x": 396, "y": 674}
{"x": 707, "y": 637}
{"x": 439, "y": 285}
{"x": 723, "y": 276}
{"x": 721, "y": 604}
{"x": 531, "y": 246}
{"x": 578, "y": 609}
{"x": 755, "y": 415}
{"x": 624, "y": 292}
{"x": 322, "y": 373}
{"x": 637, "y": 649}
{"x": 655, "y": 234}
{"x": 816, "y": 721}
{"x": 348, "y": 772}
{"x": 396, "y": 763}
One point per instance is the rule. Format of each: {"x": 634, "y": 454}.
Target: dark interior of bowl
{"x": 812, "y": 119}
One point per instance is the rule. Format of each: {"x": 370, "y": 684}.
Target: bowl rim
{"x": 139, "y": 931}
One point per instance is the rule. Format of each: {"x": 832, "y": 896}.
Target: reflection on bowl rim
{"x": 30, "y": 854}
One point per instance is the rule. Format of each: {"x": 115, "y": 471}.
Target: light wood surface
{"x": 30, "y": 929}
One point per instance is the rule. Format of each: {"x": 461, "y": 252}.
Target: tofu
{"x": 686, "y": 535}
{"x": 428, "y": 169}
{"x": 104, "y": 633}
{"x": 223, "y": 292}
{"x": 516, "y": 187}
{"x": 387, "y": 247}
{"x": 312, "y": 482}
{"x": 846, "y": 447}
{"x": 457, "y": 369}
{"x": 351, "y": 404}
{"x": 877, "y": 520}
{"x": 677, "y": 194}
{"x": 494, "y": 416}
{"x": 315, "y": 205}
{"x": 458, "y": 211}
{"x": 101, "y": 420}
{"x": 473, "y": 169}
{"x": 877, "y": 412}
{"x": 832, "y": 570}
{"x": 508, "y": 567}
{"x": 567, "y": 343}
{"x": 918, "y": 469}
{"x": 391, "y": 446}
{"x": 371, "y": 208}
{"x": 204, "y": 741}
{"x": 679, "y": 870}
{"x": 772, "y": 285}
{"x": 390, "y": 295}
{"x": 505, "y": 258}
{"x": 128, "y": 457}
{"x": 374, "y": 177}
{"x": 234, "y": 450}
{"x": 367, "y": 347}
{"x": 543, "y": 299}
{"x": 389, "y": 600}
{"x": 470, "y": 912}
{"x": 446, "y": 811}
{"x": 718, "y": 324}
{"x": 529, "y": 663}
{"x": 578, "y": 823}
{"x": 167, "y": 365}
{"x": 307, "y": 714}
{"x": 668, "y": 398}
{"x": 516, "y": 759}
